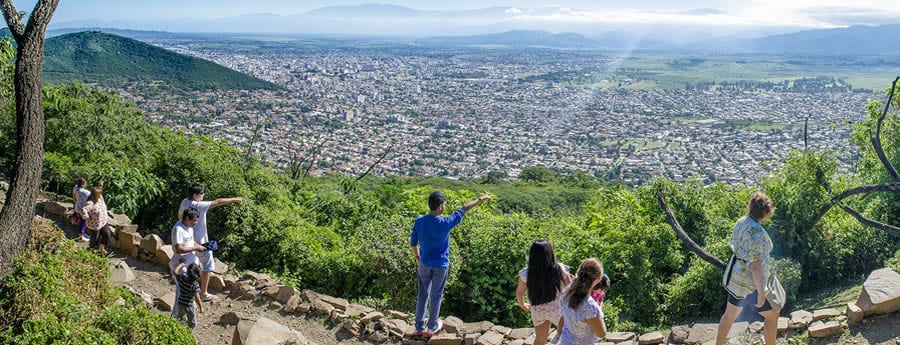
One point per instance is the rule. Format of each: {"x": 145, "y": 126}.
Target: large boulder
{"x": 651, "y": 338}
{"x": 880, "y": 293}
{"x": 216, "y": 283}
{"x": 120, "y": 272}
{"x": 820, "y": 330}
{"x": 445, "y": 339}
{"x": 151, "y": 243}
{"x": 164, "y": 254}
{"x": 128, "y": 240}
{"x": 266, "y": 332}
{"x": 490, "y": 338}
{"x": 167, "y": 301}
{"x": 57, "y": 208}
{"x": 477, "y": 327}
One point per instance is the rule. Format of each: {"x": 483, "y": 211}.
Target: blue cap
{"x": 211, "y": 245}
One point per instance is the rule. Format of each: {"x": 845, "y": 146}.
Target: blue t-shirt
{"x": 432, "y": 235}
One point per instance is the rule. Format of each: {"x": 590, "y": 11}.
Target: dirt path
{"x": 156, "y": 281}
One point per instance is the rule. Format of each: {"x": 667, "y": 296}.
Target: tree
{"x": 15, "y": 217}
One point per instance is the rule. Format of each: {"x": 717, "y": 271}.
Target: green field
{"x": 674, "y": 71}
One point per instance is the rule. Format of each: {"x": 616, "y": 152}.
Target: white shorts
{"x": 546, "y": 312}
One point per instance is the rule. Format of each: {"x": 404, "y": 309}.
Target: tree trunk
{"x": 15, "y": 217}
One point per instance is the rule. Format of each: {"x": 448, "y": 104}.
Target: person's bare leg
{"x": 204, "y": 282}
{"x": 770, "y": 327}
{"x": 731, "y": 313}
{"x": 541, "y": 333}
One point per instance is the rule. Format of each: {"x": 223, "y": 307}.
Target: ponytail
{"x": 589, "y": 270}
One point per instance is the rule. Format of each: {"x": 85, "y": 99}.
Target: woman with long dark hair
{"x": 582, "y": 317}
{"x": 544, "y": 279}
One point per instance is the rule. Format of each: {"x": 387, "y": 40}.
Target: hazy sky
{"x": 795, "y": 13}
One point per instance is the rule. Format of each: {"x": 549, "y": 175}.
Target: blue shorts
{"x": 207, "y": 264}
{"x": 749, "y": 301}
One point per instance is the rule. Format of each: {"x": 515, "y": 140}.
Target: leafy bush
{"x": 59, "y": 293}
{"x": 894, "y": 263}
{"x": 790, "y": 275}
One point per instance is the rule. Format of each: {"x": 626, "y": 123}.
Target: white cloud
{"x": 755, "y": 13}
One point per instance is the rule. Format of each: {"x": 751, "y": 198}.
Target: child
{"x": 599, "y": 290}
{"x": 187, "y": 290}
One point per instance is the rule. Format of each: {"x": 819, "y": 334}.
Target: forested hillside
{"x": 349, "y": 237}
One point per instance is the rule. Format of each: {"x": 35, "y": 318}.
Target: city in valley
{"x": 467, "y": 112}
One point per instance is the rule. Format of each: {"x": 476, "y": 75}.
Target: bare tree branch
{"x": 683, "y": 236}
{"x": 886, "y": 187}
{"x": 378, "y": 161}
{"x": 876, "y": 139}
{"x": 870, "y": 222}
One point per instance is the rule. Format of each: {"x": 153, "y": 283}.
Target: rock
{"x": 216, "y": 283}
{"x": 302, "y": 308}
{"x": 233, "y": 317}
{"x": 151, "y": 243}
{"x": 128, "y": 240}
{"x": 517, "y": 342}
{"x": 820, "y": 330}
{"x": 679, "y": 334}
{"x": 396, "y": 327}
{"x": 489, "y": 338}
{"x": 371, "y": 316}
{"x": 825, "y": 313}
{"x": 783, "y": 324}
{"x": 120, "y": 273}
{"x": 618, "y": 337}
{"x": 854, "y": 313}
{"x": 471, "y": 338}
{"x": 412, "y": 341}
{"x": 357, "y": 310}
{"x": 454, "y": 325}
{"x": 309, "y": 295}
{"x": 242, "y": 331}
{"x": 262, "y": 284}
{"x": 651, "y": 338}
{"x": 736, "y": 329}
{"x": 275, "y": 305}
{"x": 271, "y": 291}
{"x": 231, "y": 281}
{"x": 291, "y": 305}
{"x": 164, "y": 255}
{"x": 445, "y": 338}
{"x": 57, "y": 208}
{"x": 134, "y": 251}
{"x": 118, "y": 219}
{"x": 800, "y": 319}
{"x": 338, "y": 316}
{"x": 701, "y": 333}
{"x": 321, "y": 307}
{"x": 880, "y": 293}
{"x": 245, "y": 291}
{"x": 285, "y": 293}
{"x": 529, "y": 340}
{"x": 352, "y": 327}
{"x": 378, "y": 337}
{"x": 520, "y": 333}
{"x": 337, "y": 303}
{"x": 265, "y": 332}
{"x": 220, "y": 267}
{"x": 396, "y": 314}
{"x": 256, "y": 276}
{"x": 501, "y": 329}
{"x": 167, "y": 301}
{"x": 757, "y": 327}
{"x": 477, "y": 327}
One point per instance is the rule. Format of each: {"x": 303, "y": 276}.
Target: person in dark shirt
{"x": 186, "y": 292}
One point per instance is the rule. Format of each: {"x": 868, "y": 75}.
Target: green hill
{"x": 106, "y": 59}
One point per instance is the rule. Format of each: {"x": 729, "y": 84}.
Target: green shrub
{"x": 894, "y": 263}
{"x": 790, "y": 275}
{"x": 59, "y": 293}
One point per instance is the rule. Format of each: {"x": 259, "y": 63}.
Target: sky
{"x": 729, "y": 13}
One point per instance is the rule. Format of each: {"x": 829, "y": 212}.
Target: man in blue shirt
{"x": 430, "y": 242}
